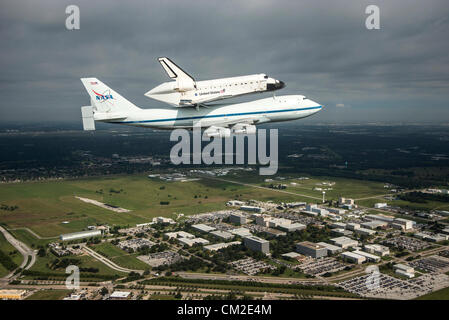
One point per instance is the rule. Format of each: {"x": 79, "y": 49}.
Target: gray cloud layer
{"x": 319, "y": 48}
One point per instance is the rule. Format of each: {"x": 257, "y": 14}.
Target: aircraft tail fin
{"x": 173, "y": 71}
{"x": 106, "y": 100}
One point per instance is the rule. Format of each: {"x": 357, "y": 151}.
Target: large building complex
{"x": 257, "y": 244}
{"x": 311, "y": 249}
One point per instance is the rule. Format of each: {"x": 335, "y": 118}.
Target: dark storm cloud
{"x": 319, "y": 48}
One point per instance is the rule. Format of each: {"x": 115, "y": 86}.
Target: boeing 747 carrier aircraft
{"x": 218, "y": 121}
{"x": 185, "y": 91}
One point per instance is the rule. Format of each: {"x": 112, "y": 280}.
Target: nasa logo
{"x": 103, "y": 97}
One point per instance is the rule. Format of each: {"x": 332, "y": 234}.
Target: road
{"x": 209, "y": 276}
{"x": 108, "y": 262}
{"x": 23, "y": 249}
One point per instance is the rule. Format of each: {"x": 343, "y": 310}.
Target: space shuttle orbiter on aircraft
{"x": 185, "y": 91}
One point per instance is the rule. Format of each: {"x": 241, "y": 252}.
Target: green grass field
{"x": 349, "y": 188}
{"x": 43, "y": 206}
{"x": 86, "y": 262}
{"x": 49, "y": 295}
{"x": 442, "y": 294}
{"x": 120, "y": 257}
{"x": 7, "y": 249}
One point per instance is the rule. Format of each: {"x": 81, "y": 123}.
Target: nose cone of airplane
{"x": 275, "y": 86}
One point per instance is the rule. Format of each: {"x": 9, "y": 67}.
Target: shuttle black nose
{"x": 280, "y": 85}
{"x": 275, "y": 86}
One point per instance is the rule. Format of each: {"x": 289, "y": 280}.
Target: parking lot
{"x": 135, "y": 244}
{"x": 433, "y": 264}
{"x": 382, "y": 286}
{"x": 321, "y": 266}
{"x": 251, "y": 266}
{"x": 161, "y": 258}
{"x": 410, "y": 244}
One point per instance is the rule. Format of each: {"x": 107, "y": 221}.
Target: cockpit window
{"x": 265, "y": 77}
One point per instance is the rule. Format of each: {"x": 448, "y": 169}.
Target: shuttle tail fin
{"x": 173, "y": 71}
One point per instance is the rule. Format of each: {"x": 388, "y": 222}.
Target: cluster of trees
{"x": 38, "y": 275}
{"x": 164, "y": 280}
{"x": 283, "y": 244}
{"x": 7, "y": 262}
{"x": 192, "y": 264}
{"x": 421, "y": 197}
{"x": 63, "y": 263}
{"x": 8, "y": 208}
{"x": 159, "y": 247}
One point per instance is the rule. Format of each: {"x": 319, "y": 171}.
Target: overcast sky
{"x": 320, "y": 48}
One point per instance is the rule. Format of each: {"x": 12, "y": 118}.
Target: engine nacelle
{"x": 218, "y": 132}
{"x": 244, "y": 129}
{"x": 183, "y": 85}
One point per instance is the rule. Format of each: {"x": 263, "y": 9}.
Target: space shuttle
{"x": 185, "y": 91}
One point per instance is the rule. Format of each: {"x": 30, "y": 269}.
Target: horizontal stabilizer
{"x": 87, "y": 114}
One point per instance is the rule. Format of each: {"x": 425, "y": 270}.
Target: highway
{"x": 23, "y": 249}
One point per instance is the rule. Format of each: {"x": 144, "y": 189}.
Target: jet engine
{"x": 217, "y": 132}
{"x": 244, "y": 129}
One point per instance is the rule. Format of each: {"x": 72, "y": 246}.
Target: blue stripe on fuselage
{"x": 218, "y": 115}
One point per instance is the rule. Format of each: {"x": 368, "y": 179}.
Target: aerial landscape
{"x": 216, "y": 159}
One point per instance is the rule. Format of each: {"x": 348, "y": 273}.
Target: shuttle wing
{"x": 173, "y": 71}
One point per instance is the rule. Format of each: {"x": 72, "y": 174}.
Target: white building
{"x": 203, "y": 228}
{"x": 353, "y": 257}
{"x": 377, "y": 249}
{"x": 404, "y": 270}
{"x": 191, "y": 242}
{"x": 344, "y": 242}
{"x": 352, "y": 226}
{"x": 370, "y": 257}
{"x": 374, "y": 224}
{"x": 403, "y": 224}
{"x": 331, "y": 249}
{"x": 219, "y": 246}
{"x": 252, "y": 209}
{"x": 380, "y": 205}
{"x": 222, "y": 234}
{"x": 242, "y": 232}
{"x": 365, "y": 232}
{"x": 235, "y": 203}
{"x": 80, "y": 235}
{"x": 120, "y": 295}
{"x": 336, "y": 210}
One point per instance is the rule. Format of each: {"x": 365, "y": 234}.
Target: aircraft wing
{"x": 173, "y": 71}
